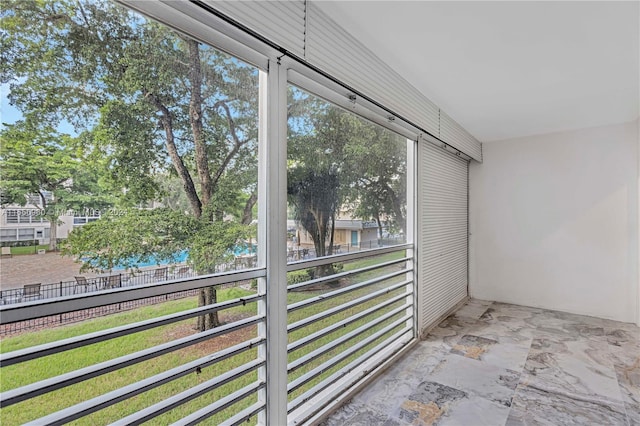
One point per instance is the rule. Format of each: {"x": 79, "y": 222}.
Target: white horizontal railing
{"x": 99, "y": 336}
{"x": 37, "y": 309}
{"x": 60, "y": 305}
{"x": 30, "y": 391}
{"x": 370, "y": 313}
{"x": 341, "y": 327}
{"x": 345, "y": 257}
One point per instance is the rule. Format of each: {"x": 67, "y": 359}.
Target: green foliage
{"x": 214, "y": 242}
{"x": 147, "y": 100}
{"x": 135, "y": 236}
{"x": 297, "y": 277}
{"x": 33, "y": 160}
{"x": 127, "y": 238}
{"x": 338, "y": 160}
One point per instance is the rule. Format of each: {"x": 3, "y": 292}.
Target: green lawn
{"x": 28, "y": 249}
{"x": 32, "y": 371}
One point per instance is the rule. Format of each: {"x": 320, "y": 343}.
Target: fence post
{"x": 60, "y": 296}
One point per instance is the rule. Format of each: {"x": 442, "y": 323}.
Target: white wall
{"x": 554, "y": 222}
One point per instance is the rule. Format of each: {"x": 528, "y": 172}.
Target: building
{"x": 349, "y": 233}
{"x": 542, "y": 214}
{"x": 26, "y": 223}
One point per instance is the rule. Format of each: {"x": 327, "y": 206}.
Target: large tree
{"x": 154, "y": 102}
{"x": 379, "y": 189}
{"x": 159, "y": 234}
{"x": 337, "y": 161}
{"x": 41, "y": 162}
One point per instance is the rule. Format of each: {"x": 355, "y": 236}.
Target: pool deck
{"x": 18, "y": 270}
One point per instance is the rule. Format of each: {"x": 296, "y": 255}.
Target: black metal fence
{"x": 86, "y": 314}
{"x": 83, "y": 284}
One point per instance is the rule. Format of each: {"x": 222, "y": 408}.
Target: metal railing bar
{"x": 304, "y": 360}
{"x": 220, "y": 405}
{"x": 340, "y": 324}
{"x": 297, "y": 402}
{"x": 321, "y": 298}
{"x": 343, "y": 371}
{"x": 23, "y": 393}
{"x": 310, "y": 375}
{"x": 192, "y": 393}
{"x": 46, "y": 307}
{"x": 345, "y": 257}
{"x": 346, "y": 274}
{"x": 244, "y": 415}
{"x": 91, "y": 406}
{"x": 317, "y": 317}
{"x": 39, "y": 351}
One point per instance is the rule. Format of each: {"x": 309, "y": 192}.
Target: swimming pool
{"x": 179, "y": 257}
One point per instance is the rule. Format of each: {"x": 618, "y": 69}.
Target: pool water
{"x": 180, "y": 257}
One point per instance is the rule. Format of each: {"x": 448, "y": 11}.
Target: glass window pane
{"x": 152, "y": 129}
{"x": 346, "y": 182}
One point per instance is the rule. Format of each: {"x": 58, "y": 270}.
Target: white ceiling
{"x": 509, "y": 69}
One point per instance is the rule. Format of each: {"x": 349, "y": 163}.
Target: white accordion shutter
{"x": 281, "y": 22}
{"x": 305, "y": 32}
{"x": 335, "y": 51}
{"x": 456, "y": 136}
{"x": 442, "y": 256}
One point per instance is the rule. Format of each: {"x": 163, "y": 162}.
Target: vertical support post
{"x": 410, "y": 232}
{"x": 60, "y": 296}
{"x": 272, "y": 240}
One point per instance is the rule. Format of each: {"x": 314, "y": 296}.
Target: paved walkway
{"x": 17, "y": 271}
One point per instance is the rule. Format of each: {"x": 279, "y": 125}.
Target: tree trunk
{"x": 195, "y": 119}
{"x": 53, "y": 224}
{"x": 207, "y": 296}
{"x": 397, "y": 208}
{"x": 178, "y": 164}
{"x": 192, "y": 195}
{"x": 211, "y": 320}
{"x": 53, "y": 233}
{"x": 247, "y": 214}
{"x": 201, "y": 302}
{"x": 332, "y": 234}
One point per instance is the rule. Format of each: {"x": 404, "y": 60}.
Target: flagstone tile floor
{"x": 499, "y": 364}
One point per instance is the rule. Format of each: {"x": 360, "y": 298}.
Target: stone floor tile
{"x": 629, "y": 381}
{"x": 472, "y": 309}
{"x": 534, "y": 406}
{"x": 510, "y": 364}
{"x": 358, "y": 414}
{"x": 578, "y": 367}
{"x": 472, "y": 376}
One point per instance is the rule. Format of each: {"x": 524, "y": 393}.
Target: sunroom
{"x": 237, "y": 152}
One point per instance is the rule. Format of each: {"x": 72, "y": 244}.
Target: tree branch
{"x": 178, "y": 164}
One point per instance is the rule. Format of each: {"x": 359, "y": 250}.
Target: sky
{"x": 8, "y": 114}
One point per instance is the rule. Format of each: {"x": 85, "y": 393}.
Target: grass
{"x": 28, "y": 249}
{"x": 336, "y": 301}
{"x": 32, "y": 371}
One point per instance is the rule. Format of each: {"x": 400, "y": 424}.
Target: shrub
{"x": 297, "y": 277}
